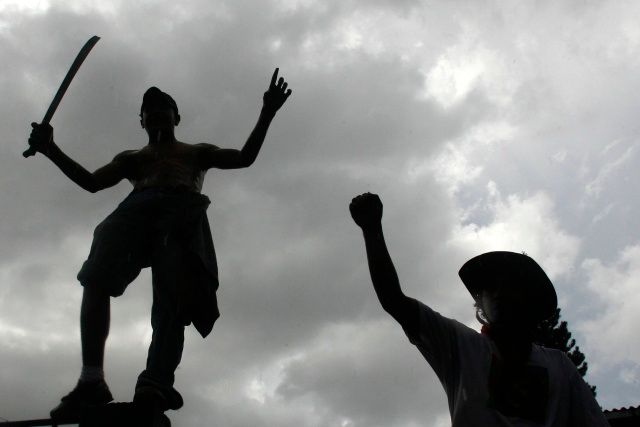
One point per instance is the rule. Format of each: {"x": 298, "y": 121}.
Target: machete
{"x": 65, "y": 84}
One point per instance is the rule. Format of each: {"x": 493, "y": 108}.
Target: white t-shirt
{"x": 463, "y": 359}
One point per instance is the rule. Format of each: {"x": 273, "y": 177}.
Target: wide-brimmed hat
{"x": 514, "y": 269}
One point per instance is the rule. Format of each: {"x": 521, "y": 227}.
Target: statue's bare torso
{"x": 173, "y": 165}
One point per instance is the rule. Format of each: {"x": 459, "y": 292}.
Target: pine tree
{"x": 554, "y": 334}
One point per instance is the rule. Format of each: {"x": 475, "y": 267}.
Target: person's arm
{"x": 107, "y": 176}
{"x": 366, "y": 211}
{"x": 226, "y": 158}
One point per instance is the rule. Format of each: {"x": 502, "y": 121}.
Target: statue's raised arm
{"x": 228, "y": 158}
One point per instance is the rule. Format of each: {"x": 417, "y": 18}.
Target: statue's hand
{"x": 41, "y": 137}
{"x": 276, "y": 95}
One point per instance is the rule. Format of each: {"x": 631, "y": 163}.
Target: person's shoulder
{"x": 552, "y": 356}
{"x": 125, "y": 155}
{"x": 203, "y": 146}
{"x": 549, "y": 352}
{"x": 430, "y": 312}
{"x": 430, "y": 318}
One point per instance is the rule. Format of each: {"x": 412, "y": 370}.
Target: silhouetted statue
{"x": 163, "y": 224}
{"x": 497, "y": 377}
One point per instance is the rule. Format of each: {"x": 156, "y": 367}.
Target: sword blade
{"x": 65, "y": 85}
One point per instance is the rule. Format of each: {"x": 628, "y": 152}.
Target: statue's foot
{"x": 151, "y": 393}
{"x": 84, "y": 395}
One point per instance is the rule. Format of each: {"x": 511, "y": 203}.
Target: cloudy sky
{"x": 493, "y": 125}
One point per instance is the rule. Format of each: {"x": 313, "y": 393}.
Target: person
{"x": 498, "y": 377}
{"x": 163, "y": 224}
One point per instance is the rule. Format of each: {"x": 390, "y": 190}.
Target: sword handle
{"x": 31, "y": 151}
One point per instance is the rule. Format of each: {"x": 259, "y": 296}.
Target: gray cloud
{"x": 381, "y": 89}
